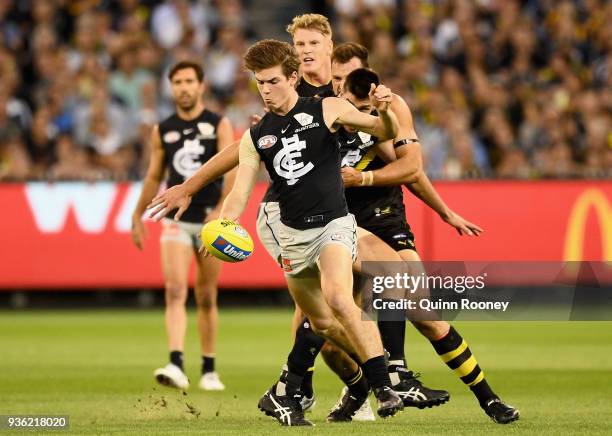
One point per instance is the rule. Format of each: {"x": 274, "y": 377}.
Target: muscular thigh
{"x": 175, "y": 260}
{"x": 208, "y": 269}
{"x": 306, "y": 292}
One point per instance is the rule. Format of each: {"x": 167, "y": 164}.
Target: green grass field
{"x": 96, "y": 367}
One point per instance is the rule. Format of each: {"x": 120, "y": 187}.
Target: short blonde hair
{"x": 316, "y": 22}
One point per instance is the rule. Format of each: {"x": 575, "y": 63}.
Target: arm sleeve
{"x": 247, "y": 153}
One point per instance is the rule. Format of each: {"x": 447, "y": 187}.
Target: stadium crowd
{"x": 498, "y": 89}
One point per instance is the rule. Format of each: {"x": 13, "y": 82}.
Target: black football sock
{"x": 376, "y": 373}
{"x": 176, "y": 358}
{"x": 208, "y": 364}
{"x": 307, "y": 383}
{"x": 357, "y": 384}
{"x": 301, "y": 359}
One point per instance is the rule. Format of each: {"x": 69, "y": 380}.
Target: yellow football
{"x": 227, "y": 240}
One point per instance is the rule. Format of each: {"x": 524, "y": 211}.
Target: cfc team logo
{"x": 186, "y": 159}
{"x": 286, "y": 162}
{"x": 577, "y": 230}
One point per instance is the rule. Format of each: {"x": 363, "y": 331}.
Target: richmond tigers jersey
{"x": 187, "y": 146}
{"x": 304, "y": 89}
{"x": 302, "y": 157}
{"x": 358, "y": 151}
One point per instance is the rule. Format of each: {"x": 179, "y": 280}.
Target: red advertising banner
{"x": 77, "y": 235}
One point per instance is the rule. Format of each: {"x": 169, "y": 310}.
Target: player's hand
{"x": 351, "y": 177}
{"x": 380, "y": 97}
{"x": 173, "y": 198}
{"x": 139, "y": 232}
{"x": 202, "y": 251}
{"x": 463, "y": 226}
{"x": 255, "y": 118}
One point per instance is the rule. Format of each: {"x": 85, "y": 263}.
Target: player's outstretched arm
{"x": 408, "y": 166}
{"x": 179, "y": 196}
{"x": 150, "y": 186}
{"x": 425, "y": 191}
{"x": 338, "y": 112}
{"x": 236, "y": 201}
{"x": 225, "y": 137}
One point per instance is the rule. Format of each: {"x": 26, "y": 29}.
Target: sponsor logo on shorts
{"x": 229, "y": 249}
{"x": 172, "y": 136}
{"x": 400, "y": 236}
{"x": 287, "y": 265}
{"x": 170, "y": 228}
{"x": 266, "y": 141}
{"x": 338, "y": 237}
{"x": 239, "y": 230}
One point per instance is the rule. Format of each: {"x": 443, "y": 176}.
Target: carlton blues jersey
{"x": 304, "y": 89}
{"x": 357, "y": 150}
{"x": 303, "y": 159}
{"x": 187, "y": 145}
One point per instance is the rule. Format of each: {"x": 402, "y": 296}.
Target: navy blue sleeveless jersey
{"x": 368, "y": 202}
{"x": 304, "y": 89}
{"x": 303, "y": 159}
{"x": 187, "y": 146}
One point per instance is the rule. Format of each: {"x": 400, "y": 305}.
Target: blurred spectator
{"x": 72, "y": 163}
{"x": 15, "y": 162}
{"x": 127, "y": 81}
{"x": 102, "y": 124}
{"x": 176, "y": 20}
{"x": 511, "y": 89}
{"x": 224, "y": 61}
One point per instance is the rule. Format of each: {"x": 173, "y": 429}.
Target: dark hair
{"x": 183, "y": 65}
{"x": 343, "y": 53}
{"x": 358, "y": 82}
{"x": 269, "y": 53}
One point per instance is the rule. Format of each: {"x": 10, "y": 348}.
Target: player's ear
{"x": 293, "y": 78}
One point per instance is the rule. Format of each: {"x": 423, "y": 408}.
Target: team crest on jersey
{"x": 186, "y": 160}
{"x": 207, "y": 130}
{"x": 303, "y": 118}
{"x": 171, "y": 136}
{"x": 365, "y": 137}
{"x": 286, "y": 162}
{"x": 266, "y": 141}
